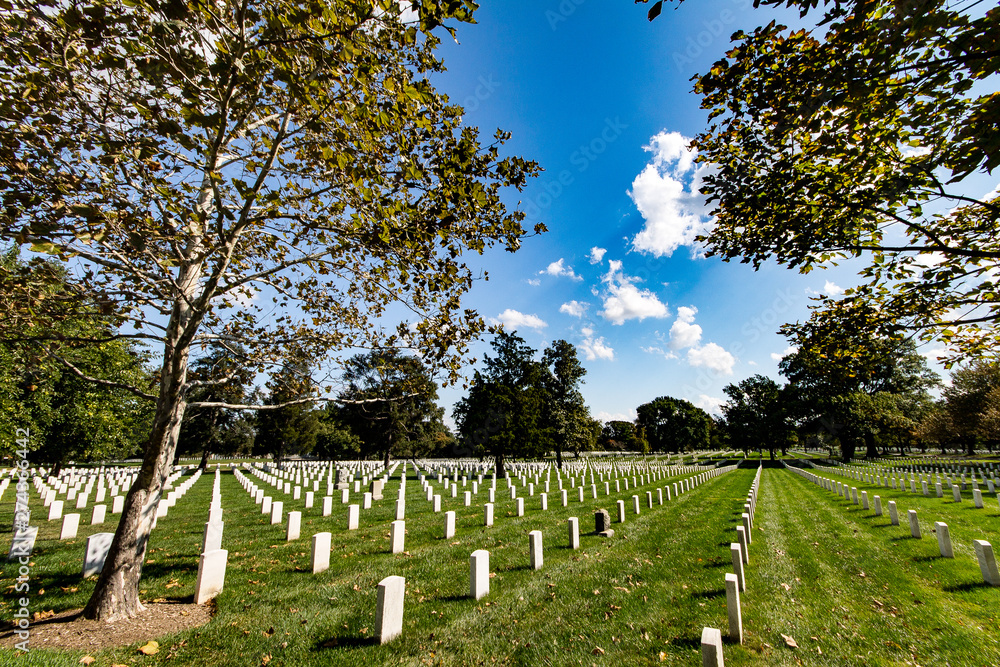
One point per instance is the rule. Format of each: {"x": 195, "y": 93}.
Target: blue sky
{"x": 602, "y": 99}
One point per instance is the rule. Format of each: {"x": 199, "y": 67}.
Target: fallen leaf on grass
{"x": 266, "y": 659}
{"x": 786, "y": 587}
{"x": 789, "y": 641}
{"x": 86, "y": 660}
{"x": 150, "y": 648}
{"x": 41, "y": 615}
{"x": 663, "y": 656}
{"x": 597, "y": 651}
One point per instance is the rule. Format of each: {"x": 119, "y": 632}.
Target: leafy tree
{"x": 389, "y": 401}
{"x": 503, "y": 414}
{"x": 864, "y": 137}
{"x": 566, "y": 415}
{"x": 292, "y": 427}
{"x": 971, "y": 403}
{"x": 334, "y": 439}
{"x": 673, "y": 425}
{"x": 620, "y": 435}
{"x": 755, "y": 415}
{"x": 879, "y": 390}
{"x": 194, "y": 161}
{"x": 69, "y": 418}
{"x": 209, "y": 430}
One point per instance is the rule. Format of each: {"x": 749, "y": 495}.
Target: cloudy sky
{"x": 602, "y": 99}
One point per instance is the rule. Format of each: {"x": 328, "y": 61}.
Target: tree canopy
{"x": 270, "y": 174}
{"x": 755, "y": 414}
{"x": 673, "y": 425}
{"x": 864, "y": 137}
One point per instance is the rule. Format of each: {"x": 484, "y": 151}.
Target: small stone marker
{"x": 100, "y": 511}
{"x": 389, "y": 608}
{"x": 449, "y": 524}
{"x": 535, "y": 549}
{"x": 366, "y": 500}
{"x": 294, "y": 526}
{"x": 212, "y": 538}
{"x": 956, "y": 493}
{"x": 977, "y": 498}
{"x": 878, "y": 506}
{"x": 310, "y": 499}
{"x": 479, "y": 574}
{"x": 864, "y": 500}
{"x": 376, "y": 489}
{"x": 70, "y": 524}
{"x": 987, "y": 562}
{"x": 733, "y": 607}
{"x": 277, "y": 511}
{"x": 741, "y": 537}
{"x": 746, "y": 528}
{"x": 543, "y": 499}
{"x": 397, "y": 536}
{"x": 265, "y": 507}
{"x": 893, "y": 514}
{"x": 437, "y": 502}
{"x": 520, "y": 506}
{"x": 602, "y": 523}
{"x": 353, "y": 514}
{"x": 488, "y": 514}
{"x": 914, "y": 524}
{"x": 117, "y": 504}
{"x": 711, "y": 648}
{"x": 321, "y": 552}
{"x": 55, "y": 510}
{"x": 944, "y": 539}
{"x": 635, "y": 504}
{"x": 211, "y": 575}
{"x": 98, "y": 545}
{"x": 621, "y": 511}
{"x": 737, "y": 555}
{"x": 574, "y": 532}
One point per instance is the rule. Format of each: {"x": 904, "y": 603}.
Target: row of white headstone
{"x": 983, "y": 549}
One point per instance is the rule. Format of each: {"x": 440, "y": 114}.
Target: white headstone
{"x": 277, "y": 510}
{"x": 397, "y": 536}
{"x": 321, "y": 552}
{"x": 98, "y": 545}
{"x": 449, "y": 524}
{"x": 211, "y": 575}
{"x": 70, "y": 524}
{"x": 389, "y": 608}
{"x": 479, "y": 574}
{"x": 353, "y": 514}
{"x": 733, "y": 606}
{"x": 574, "y": 532}
{"x": 535, "y": 549}
{"x": 294, "y": 526}
{"x": 987, "y": 562}
{"x": 55, "y": 510}
{"x": 711, "y": 648}
{"x": 944, "y": 539}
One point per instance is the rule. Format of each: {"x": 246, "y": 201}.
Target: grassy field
{"x": 844, "y": 585}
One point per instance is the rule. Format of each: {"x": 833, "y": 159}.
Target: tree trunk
{"x": 501, "y": 471}
{"x": 558, "y": 456}
{"x": 871, "y": 451}
{"x": 116, "y": 595}
{"x": 203, "y": 466}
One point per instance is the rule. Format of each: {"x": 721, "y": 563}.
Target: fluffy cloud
{"x": 534, "y": 282}
{"x": 710, "y": 404}
{"x": 624, "y": 301}
{"x": 595, "y": 348}
{"x": 666, "y": 194}
{"x": 574, "y": 308}
{"x": 784, "y": 353}
{"x": 513, "y": 320}
{"x": 560, "y": 269}
{"x": 685, "y": 333}
{"x": 711, "y": 356}
{"x": 832, "y": 289}
{"x": 596, "y": 255}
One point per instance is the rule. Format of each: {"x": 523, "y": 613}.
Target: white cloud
{"x": 596, "y": 348}
{"x": 667, "y": 195}
{"x": 684, "y": 333}
{"x": 784, "y": 353}
{"x": 512, "y": 320}
{"x": 559, "y": 269}
{"x": 574, "y": 308}
{"x": 606, "y": 417}
{"x": 596, "y": 255}
{"x": 710, "y": 404}
{"x": 624, "y": 301}
{"x": 832, "y": 289}
{"x": 534, "y": 282}
{"x": 713, "y": 357}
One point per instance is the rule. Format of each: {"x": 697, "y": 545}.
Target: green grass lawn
{"x": 867, "y": 592}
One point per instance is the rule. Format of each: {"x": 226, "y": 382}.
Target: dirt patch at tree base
{"x": 70, "y": 631}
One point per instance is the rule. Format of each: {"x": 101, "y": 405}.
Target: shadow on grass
{"x": 965, "y": 588}
{"x": 687, "y": 642}
{"x": 708, "y": 595}
{"x": 346, "y": 642}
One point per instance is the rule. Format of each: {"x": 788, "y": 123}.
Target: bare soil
{"x": 69, "y": 630}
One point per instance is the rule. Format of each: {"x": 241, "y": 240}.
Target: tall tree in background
{"x": 503, "y": 415}
{"x": 755, "y": 415}
{"x": 68, "y": 417}
{"x": 268, "y": 173}
{"x": 292, "y": 427}
{"x": 389, "y": 401}
{"x": 971, "y": 403}
{"x": 566, "y": 414}
{"x": 209, "y": 430}
{"x": 673, "y": 425}
{"x": 880, "y": 388}
{"x": 617, "y": 435}
{"x": 868, "y": 137}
